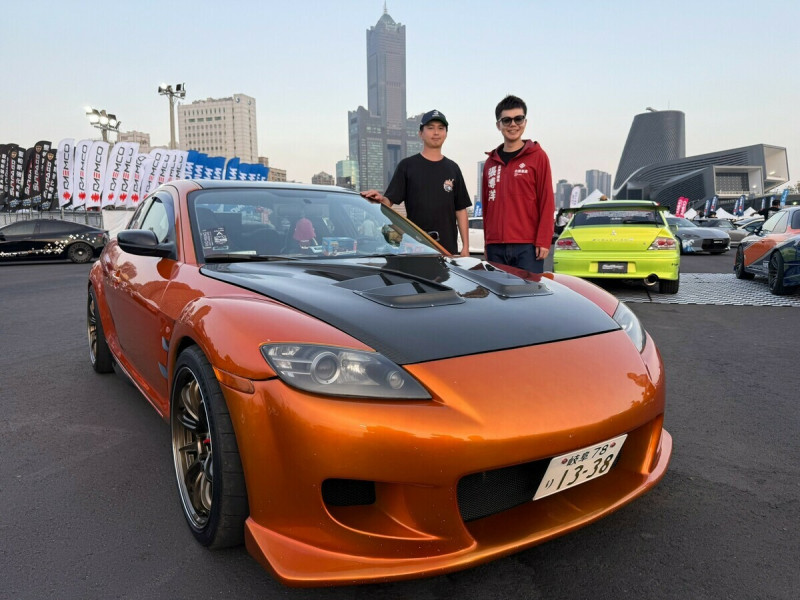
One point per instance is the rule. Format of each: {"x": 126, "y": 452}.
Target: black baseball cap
{"x": 433, "y": 115}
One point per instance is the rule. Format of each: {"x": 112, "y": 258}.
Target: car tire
{"x": 668, "y": 286}
{"x": 680, "y": 244}
{"x": 80, "y": 252}
{"x": 738, "y": 266}
{"x": 208, "y": 469}
{"x": 99, "y": 353}
{"x": 775, "y": 275}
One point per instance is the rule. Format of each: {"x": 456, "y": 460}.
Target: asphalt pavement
{"x": 90, "y": 509}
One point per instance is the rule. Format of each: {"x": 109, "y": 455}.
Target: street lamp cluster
{"x": 178, "y": 92}
{"x": 104, "y": 121}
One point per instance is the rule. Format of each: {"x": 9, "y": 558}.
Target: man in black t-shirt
{"x": 432, "y": 187}
{"x": 771, "y": 209}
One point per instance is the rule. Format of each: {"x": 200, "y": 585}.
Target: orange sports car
{"x": 356, "y": 405}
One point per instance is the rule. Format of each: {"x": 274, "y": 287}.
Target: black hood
{"x": 418, "y": 308}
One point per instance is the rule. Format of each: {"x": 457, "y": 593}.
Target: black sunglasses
{"x": 506, "y": 121}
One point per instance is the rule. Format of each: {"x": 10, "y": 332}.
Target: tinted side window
{"x": 796, "y": 219}
{"x": 20, "y": 228}
{"x": 56, "y": 227}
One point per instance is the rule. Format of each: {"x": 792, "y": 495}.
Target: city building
{"x": 273, "y": 174}
{"x": 220, "y": 127}
{"x": 654, "y": 166}
{"x": 562, "y": 195}
{"x": 323, "y": 178}
{"x": 143, "y": 139}
{"x": 381, "y": 135}
{"x": 598, "y": 180}
{"x": 347, "y": 174}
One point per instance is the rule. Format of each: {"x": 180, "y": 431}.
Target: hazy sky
{"x": 585, "y": 68}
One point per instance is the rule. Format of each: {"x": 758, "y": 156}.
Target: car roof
{"x": 613, "y": 204}
{"x": 229, "y": 183}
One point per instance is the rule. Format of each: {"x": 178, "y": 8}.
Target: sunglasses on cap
{"x": 506, "y": 121}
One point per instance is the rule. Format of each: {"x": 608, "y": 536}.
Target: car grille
{"x": 715, "y": 244}
{"x": 490, "y": 492}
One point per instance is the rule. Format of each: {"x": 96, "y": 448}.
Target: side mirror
{"x": 144, "y": 242}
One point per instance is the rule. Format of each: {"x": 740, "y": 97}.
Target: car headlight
{"x": 334, "y": 371}
{"x": 630, "y": 324}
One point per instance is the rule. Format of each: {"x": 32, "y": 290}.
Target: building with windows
{"x": 323, "y": 178}
{"x": 220, "y": 127}
{"x": 598, "y": 180}
{"x": 381, "y": 135}
{"x": 143, "y": 139}
{"x": 654, "y": 166}
{"x": 273, "y": 174}
{"x": 347, "y": 174}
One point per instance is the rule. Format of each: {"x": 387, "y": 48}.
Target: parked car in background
{"x": 735, "y": 232}
{"x": 773, "y": 251}
{"x": 619, "y": 239}
{"x": 51, "y": 238}
{"x": 358, "y": 406}
{"x": 476, "y": 235}
{"x": 692, "y": 238}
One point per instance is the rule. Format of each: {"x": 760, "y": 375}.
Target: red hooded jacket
{"x": 517, "y": 198}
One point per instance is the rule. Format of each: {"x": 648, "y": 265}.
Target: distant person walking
{"x": 517, "y": 192}
{"x": 432, "y": 187}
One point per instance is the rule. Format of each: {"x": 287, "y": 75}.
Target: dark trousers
{"x": 522, "y": 256}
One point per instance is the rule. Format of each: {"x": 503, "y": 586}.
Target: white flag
{"x": 80, "y": 184}
{"x": 98, "y": 161}
{"x": 65, "y": 159}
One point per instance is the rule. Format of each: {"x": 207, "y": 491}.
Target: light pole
{"x": 179, "y": 92}
{"x": 104, "y": 121}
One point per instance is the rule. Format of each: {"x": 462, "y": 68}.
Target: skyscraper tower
{"x": 381, "y": 135}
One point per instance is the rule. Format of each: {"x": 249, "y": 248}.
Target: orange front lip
{"x": 416, "y": 453}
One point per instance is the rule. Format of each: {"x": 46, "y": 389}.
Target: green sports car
{"x": 619, "y": 239}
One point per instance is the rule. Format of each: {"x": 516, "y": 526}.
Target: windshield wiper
{"x": 236, "y": 257}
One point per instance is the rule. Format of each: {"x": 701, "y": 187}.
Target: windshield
{"x": 616, "y": 217}
{"x": 263, "y": 224}
{"x": 680, "y": 222}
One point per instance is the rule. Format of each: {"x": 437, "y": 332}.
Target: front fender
{"x": 231, "y": 330}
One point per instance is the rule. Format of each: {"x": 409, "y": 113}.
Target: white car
{"x": 476, "y": 235}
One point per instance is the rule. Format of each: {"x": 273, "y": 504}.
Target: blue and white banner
{"x": 232, "y": 169}
{"x": 784, "y": 195}
{"x": 200, "y": 165}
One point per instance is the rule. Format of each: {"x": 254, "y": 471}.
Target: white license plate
{"x": 580, "y": 466}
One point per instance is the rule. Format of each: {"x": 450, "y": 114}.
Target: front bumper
{"x": 486, "y": 415}
{"x": 664, "y": 264}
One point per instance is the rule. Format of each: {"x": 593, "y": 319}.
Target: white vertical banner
{"x": 65, "y": 159}
{"x": 80, "y": 184}
{"x": 138, "y": 170}
{"x": 126, "y": 178}
{"x": 163, "y": 167}
{"x": 98, "y": 161}
{"x": 181, "y": 164}
{"x": 113, "y": 178}
{"x": 155, "y": 167}
{"x": 148, "y": 176}
{"x": 575, "y": 197}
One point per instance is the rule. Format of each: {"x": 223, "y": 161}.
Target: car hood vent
{"x": 414, "y": 309}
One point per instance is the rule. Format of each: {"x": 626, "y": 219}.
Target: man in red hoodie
{"x": 517, "y": 194}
